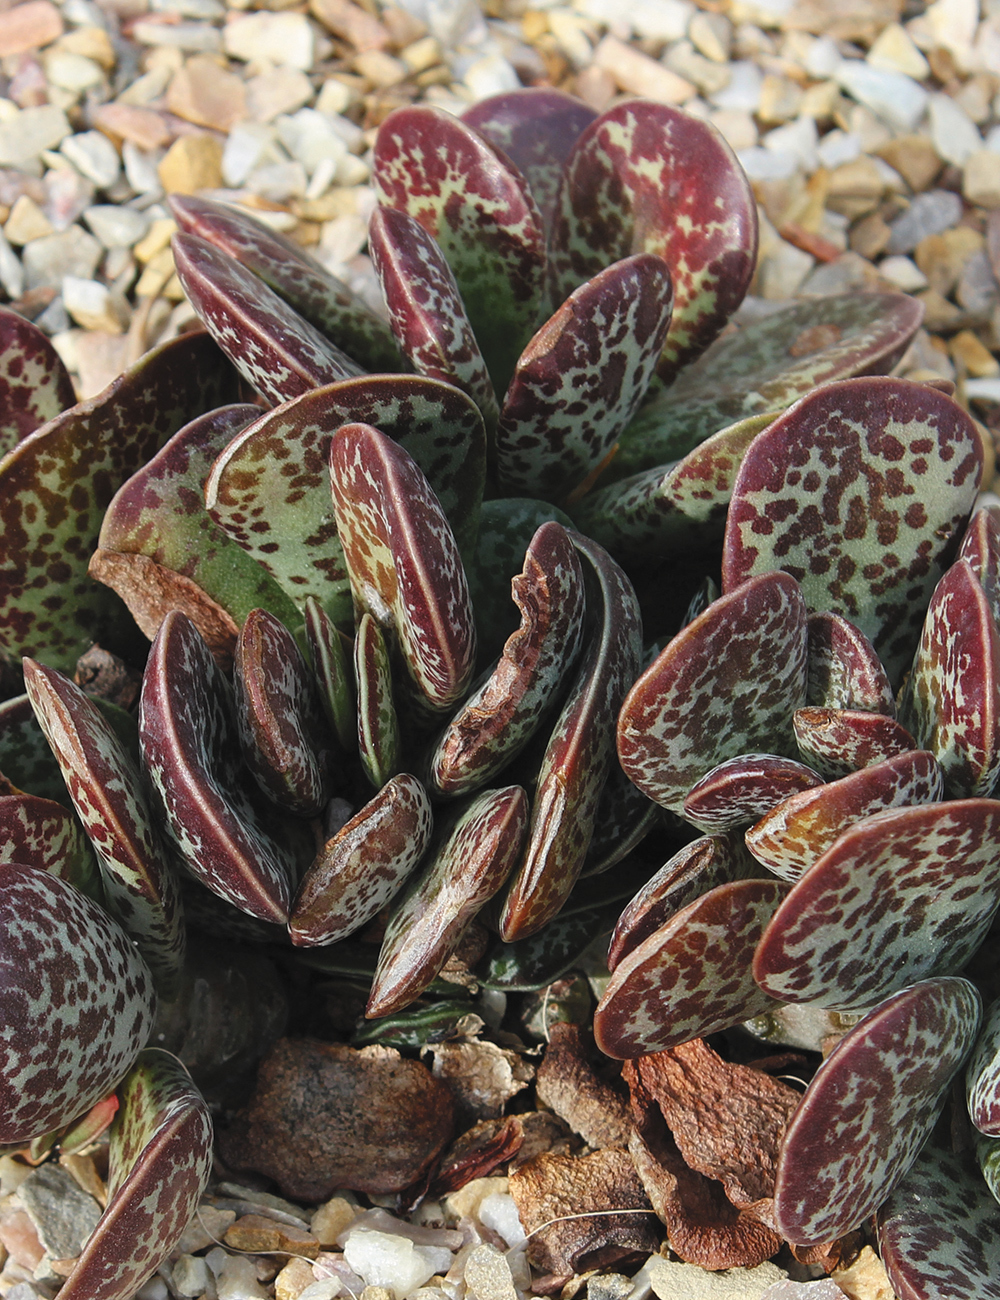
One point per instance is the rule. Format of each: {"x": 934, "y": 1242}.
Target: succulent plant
{"x": 323, "y": 572}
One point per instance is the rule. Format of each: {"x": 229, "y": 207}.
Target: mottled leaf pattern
{"x": 741, "y": 789}
{"x": 26, "y": 761}
{"x": 837, "y": 742}
{"x": 378, "y": 738}
{"x": 982, "y": 1075}
{"x": 844, "y": 670}
{"x": 41, "y": 833}
{"x": 981, "y": 547}
{"x": 329, "y": 659}
{"x": 34, "y": 384}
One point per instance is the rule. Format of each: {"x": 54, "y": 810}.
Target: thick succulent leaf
{"x": 691, "y": 977}
{"x": 535, "y": 962}
{"x": 161, "y": 1159}
{"x": 952, "y": 699}
{"x": 26, "y": 761}
{"x": 76, "y": 1003}
{"x": 425, "y": 307}
{"x": 317, "y": 296}
{"x": 190, "y": 748}
{"x": 844, "y": 670}
{"x": 858, "y": 492}
{"x": 35, "y": 386}
{"x": 403, "y": 562}
{"x": 800, "y": 829}
{"x": 939, "y": 1231}
{"x": 869, "y": 1108}
{"x": 500, "y": 718}
{"x": 580, "y": 379}
{"x": 279, "y": 717}
{"x": 110, "y": 799}
{"x": 427, "y": 923}
{"x": 275, "y": 350}
{"x": 536, "y": 128}
{"x": 328, "y": 656}
{"x": 57, "y": 483}
{"x": 479, "y": 209}
{"x": 725, "y": 685}
{"x": 378, "y": 736}
{"x": 41, "y": 833}
{"x": 629, "y": 187}
{"x": 362, "y": 867}
{"x": 982, "y": 1075}
{"x": 837, "y": 742}
{"x": 901, "y": 896}
{"x": 623, "y": 819}
{"x": 765, "y": 367}
{"x": 741, "y": 789}
{"x": 981, "y": 547}
{"x": 580, "y": 752}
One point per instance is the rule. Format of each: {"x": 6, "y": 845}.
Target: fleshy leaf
{"x": 41, "y": 833}
{"x": 869, "y": 1108}
{"x": 35, "y": 386}
{"x": 378, "y": 738}
{"x": 858, "y": 492}
{"x": 328, "y": 655}
{"x": 844, "y": 670}
{"x": 623, "y": 819}
{"x": 629, "y": 187}
{"x": 982, "y": 1075}
{"x": 904, "y": 895}
{"x": 26, "y": 761}
{"x": 981, "y": 547}
{"x": 741, "y": 789}
{"x": 837, "y": 742}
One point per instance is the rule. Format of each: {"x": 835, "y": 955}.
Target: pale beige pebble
{"x": 903, "y": 272}
{"x": 335, "y": 97}
{"x": 331, "y": 1218}
{"x": 712, "y": 35}
{"x": 93, "y": 306}
{"x": 915, "y": 158}
{"x": 782, "y": 270}
{"x": 404, "y": 26}
{"x": 488, "y": 1274}
{"x": 872, "y": 133}
{"x": 737, "y": 127}
{"x": 950, "y": 24}
{"x": 73, "y": 72}
{"x": 26, "y": 221}
{"x": 780, "y": 99}
{"x": 575, "y": 35}
{"x": 677, "y": 1281}
{"x": 939, "y": 313}
{"x": 29, "y": 27}
{"x": 638, "y": 74}
{"x": 820, "y": 101}
{"x": 943, "y": 257}
{"x": 981, "y": 179}
{"x": 870, "y": 236}
{"x": 855, "y": 188}
{"x": 274, "y": 38}
{"x": 147, "y": 88}
{"x": 20, "y": 1237}
{"x": 163, "y": 56}
{"x": 33, "y": 130}
{"x": 709, "y": 77}
{"x": 968, "y": 351}
{"x": 466, "y": 1201}
{"x": 866, "y": 1278}
{"x": 595, "y": 87}
{"x": 293, "y": 1280}
{"x": 379, "y": 68}
{"x": 92, "y": 42}
{"x": 281, "y": 90}
{"x": 156, "y": 239}
{"x": 206, "y": 93}
{"x": 195, "y": 37}
{"x": 144, "y": 127}
{"x": 352, "y": 23}
{"x": 192, "y": 163}
{"x": 894, "y": 51}
{"x": 975, "y": 97}
{"x": 421, "y": 55}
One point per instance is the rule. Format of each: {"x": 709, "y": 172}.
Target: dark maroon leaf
{"x": 844, "y": 670}
{"x": 741, "y": 789}
{"x": 837, "y": 742}
{"x": 34, "y": 384}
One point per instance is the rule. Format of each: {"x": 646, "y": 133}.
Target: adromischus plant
{"x": 546, "y": 409}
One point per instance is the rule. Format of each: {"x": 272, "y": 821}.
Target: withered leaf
{"x": 481, "y": 1076}
{"x": 477, "y": 1153}
{"x": 567, "y": 1083}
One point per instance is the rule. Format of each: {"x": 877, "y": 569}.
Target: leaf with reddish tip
{"x": 110, "y": 798}
{"x": 580, "y": 751}
{"x": 275, "y": 350}
{"x": 362, "y": 867}
{"x": 427, "y": 923}
{"x": 837, "y": 742}
{"x": 377, "y": 725}
{"x": 317, "y": 296}
{"x": 41, "y": 833}
{"x": 952, "y": 698}
{"x": 35, "y": 386}
{"x": 87, "y": 1130}
{"x": 57, "y": 483}
{"x": 869, "y": 1108}
{"x": 903, "y": 895}
{"x": 161, "y": 1159}
{"x": 403, "y": 562}
{"x": 425, "y": 308}
{"x": 981, "y": 547}
{"x": 499, "y": 719}
{"x": 691, "y": 977}
{"x": 629, "y": 187}
{"x": 800, "y": 829}
{"x": 27, "y": 763}
{"x": 765, "y": 367}
{"x": 982, "y": 1075}
{"x": 76, "y": 1003}
{"x": 328, "y": 656}
{"x": 857, "y": 492}
{"x": 741, "y": 789}
{"x": 725, "y": 685}
{"x": 844, "y": 670}
{"x": 191, "y": 751}
{"x": 479, "y": 209}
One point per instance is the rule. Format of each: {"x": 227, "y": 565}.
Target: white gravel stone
{"x": 205, "y": 9}
{"x": 895, "y": 98}
{"x": 762, "y": 164}
{"x": 238, "y": 1280}
{"x": 141, "y": 168}
{"x": 90, "y": 304}
{"x": 393, "y": 1262}
{"x": 499, "y": 1212}
{"x": 743, "y": 91}
{"x": 894, "y": 51}
{"x": 838, "y": 147}
{"x": 271, "y": 38}
{"x": 951, "y": 24}
{"x": 70, "y": 252}
{"x": 310, "y": 138}
{"x": 955, "y": 136}
{"x": 656, "y": 20}
{"x": 116, "y": 226}
{"x": 195, "y": 38}
{"x": 94, "y": 156}
{"x": 247, "y": 146}
{"x": 824, "y": 1289}
{"x": 24, "y": 136}
{"x": 11, "y": 270}
{"x": 327, "y": 1288}
{"x": 190, "y": 1276}
{"x": 674, "y": 1281}
{"x": 823, "y": 58}
{"x": 279, "y": 181}
{"x": 903, "y": 272}
{"x": 73, "y": 72}
{"x": 492, "y": 75}
{"x": 799, "y": 138}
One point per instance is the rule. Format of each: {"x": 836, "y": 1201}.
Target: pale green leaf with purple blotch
{"x": 26, "y": 761}
{"x": 740, "y": 790}
{"x": 35, "y": 386}
{"x": 982, "y": 1075}
{"x": 837, "y": 742}
{"x": 844, "y": 670}
{"x": 981, "y": 547}
{"x": 41, "y": 833}
{"x": 377, "y": 727}
{"x": 326, "y": 650}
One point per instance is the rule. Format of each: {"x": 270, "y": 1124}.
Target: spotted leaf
{"x": 981, "y": 547}
{"x": 982, "y": 1076}
{"x": 378, "y": 737}
{"x": 27, "y": 764}
{"x": 328, "y": 656}
{"x": 35, "y": 386}
{"x": 844, "y": 670}
{"x": 41, "y": 833}
{"x": 837, "y": 742}
{"x": 741, "y": 789}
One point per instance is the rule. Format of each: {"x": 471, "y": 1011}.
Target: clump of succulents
{"x": 325, "y": 575}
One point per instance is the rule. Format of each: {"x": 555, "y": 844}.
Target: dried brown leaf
{"x": 482, "y": 1077}
{"x": 567, "y": 1083}
{"x": 477, "y": 1153}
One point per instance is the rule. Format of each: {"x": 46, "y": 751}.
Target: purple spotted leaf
{"x": 110, "y": 798}
{"x": 982, "y": 1075}
{"x": 800, "y": 829}
{"x": 741, "y": 789}
{"x": 191, "y": 750}
{"x": 317, "y": 296}
{"x": 41, "y": 833}
{"x": 403, "y": 563}
{"x": 981, "y": 547}
{"x": 497, "y": 721}
{"x": 275, "y": 350}
{"x": 360, "y": 869}
{"x": 478, "y": 207}
{"x": 844, "y": 670}
{"x": 57, "y": 483}
{"x": 691, "y": 977}
{"x": 425, "y": 307}
{"x": 27, "y": 764}
{"x": 869, "y": 1108}
{"x": 903, "y": 895}
{"x": 76, "y": 1001}
{"x": 580, "y": 751}
{"x": 35, "y": 386}
{"x": 327, "y": 651}
{"x": 837, "y": 742}
{"x": 427, "y": 923}
{"x": 161, "y": 1159}
{"x": 378, "y": 736}
{"x": 858, "y": 491}
{"x": 951, "y": 703}
{"x": 765, "y": 367}
{"x": 623, "y": 819}
{"x": 629, "y": 187}
{"x": 938, "y": 1231}
{"x": 279, "y": 717}
{"x": 725, "y": 685}
{"x": 581, "y": 378}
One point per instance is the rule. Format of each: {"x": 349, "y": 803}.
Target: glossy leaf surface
{"x": 41, "y": 833}
{"x": 982, "y": 1075}
{"x": 741, "y": 789}
{"x": 844, "y": 670}
{"x": 35, "y": 386}
{"x": 378, "y": 738}
{"x": 981, "y": 547}
{"x": 328, "y": 656}
{"x": 837, "y": 742}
